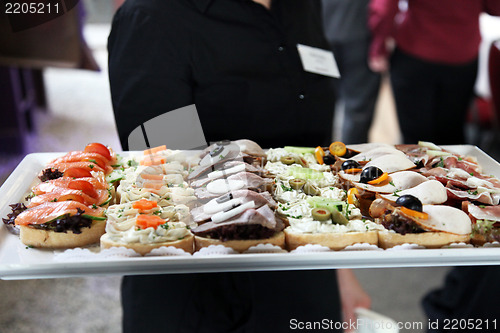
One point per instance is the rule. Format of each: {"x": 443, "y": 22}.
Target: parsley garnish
{"x": 441, "y": 163}
{"x": 93, "y": 161}
{"x": 91, "y": 166}
{"x": 94, "y": 206}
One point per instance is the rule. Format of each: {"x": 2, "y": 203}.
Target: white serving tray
{"x": 19, "y": 262}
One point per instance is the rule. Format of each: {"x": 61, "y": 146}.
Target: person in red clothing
{"x": 433, "y": 65}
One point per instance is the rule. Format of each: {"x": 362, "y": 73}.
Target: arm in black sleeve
{"x": 148, "y": 72}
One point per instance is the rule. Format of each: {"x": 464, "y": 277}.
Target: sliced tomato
{"x": 83, "y": 186}
{"x": 98, "y": 148}
{"x": 100, "y": 161}
{"x": 77, "y": 173}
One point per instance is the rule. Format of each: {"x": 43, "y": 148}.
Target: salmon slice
{"x": 64, "y": 194}
{"x": 51, "y": 210}
{"x": 80, "y": 156}
{"x": 90, "y": 166}
{"x": 45, "y": 187}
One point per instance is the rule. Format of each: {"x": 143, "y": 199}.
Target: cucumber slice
{"x": 106, "y": 202}
{"x": 97, "y": 218}
{"x": 115, "y": 180}
{"x": 300, "y": 150}
{"x": 330, "y": 204}
{"x": 305, "y": 173}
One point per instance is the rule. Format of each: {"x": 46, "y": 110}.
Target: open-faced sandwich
{"x": 312, "y": 203}
{"x": 67, "y": 208}
{"x": 235, "y": 209}
{"x": 143, "y": 226}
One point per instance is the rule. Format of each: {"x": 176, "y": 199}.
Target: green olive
{"x": 287, "y": 160}
{"x": 310, "y": 189}
{"x": 301, "y": 161}
{"x": 320, "y": 214}
{"x": 296, "y": 183}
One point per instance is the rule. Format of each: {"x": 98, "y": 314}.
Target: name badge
{"x": 318, "y": 61}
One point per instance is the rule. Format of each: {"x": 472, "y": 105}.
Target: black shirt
{"x": 234, "y": 59}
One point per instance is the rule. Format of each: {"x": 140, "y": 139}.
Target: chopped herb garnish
{"x": 392, "y": 183}
{"x": 93, "y": 161}
{"x": 94, "y": 206}
{"x": 441, "y": 163}
{"x": 91, "y": 166}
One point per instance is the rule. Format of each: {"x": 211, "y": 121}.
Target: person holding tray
{"x": 239, "y": 63}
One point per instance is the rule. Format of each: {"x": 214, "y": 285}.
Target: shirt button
{"x": 281, "y": 48}
{"x": 302, "y": 96}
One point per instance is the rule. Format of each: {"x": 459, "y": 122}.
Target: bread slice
{"x": 432, "y": 240}
{"x": 57, "y": 240}
{"x": 333, "y": 240}
{"x": 240, "y": 245}
{"x": 185, "y": 244}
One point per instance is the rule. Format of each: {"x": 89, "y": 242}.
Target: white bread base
{"x": 240, "y": 245}
{"x": 432, "y": 240}
{"x": 335, "y": 241}
{"x": 58, "y": 240}
{"x": 185, "y": 244}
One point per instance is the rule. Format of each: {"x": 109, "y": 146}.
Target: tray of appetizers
{"x": 236, "y": 207}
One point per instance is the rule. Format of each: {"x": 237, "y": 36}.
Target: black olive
{"x": 328, "y": 159}
{"x": 409, "y": 201}
{"x": 350, "y": 164}
{"x": 370, "y": 173}
{"x": 349, "y": 153}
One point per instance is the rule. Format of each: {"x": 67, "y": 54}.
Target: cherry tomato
{"x": 83, "y": 186}
{"x": 77, "y": 173}
{"x": 98, "y": 148}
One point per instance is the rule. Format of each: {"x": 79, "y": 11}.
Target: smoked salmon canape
{"x": 64, "y": 224}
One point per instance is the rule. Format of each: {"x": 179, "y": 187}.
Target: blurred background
{"x": 63, "y": 105}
